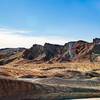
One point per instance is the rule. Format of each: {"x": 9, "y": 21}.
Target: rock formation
{"x": 9, "y": 54}
{"x": 71, "y": 51}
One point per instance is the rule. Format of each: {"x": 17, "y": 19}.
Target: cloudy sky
{"x": 26, "y": 22}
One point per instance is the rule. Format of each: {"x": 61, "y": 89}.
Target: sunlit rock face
{"x": 95, "y": 55}
{"x": 68, "y": 52}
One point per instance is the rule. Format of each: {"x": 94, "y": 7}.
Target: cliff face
{"x": 43, "y": 53}
{"x": 71, "y": 51}
{"x": 33, "y": 52}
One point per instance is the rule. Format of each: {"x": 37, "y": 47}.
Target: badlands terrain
{"x": 51, "y": 71}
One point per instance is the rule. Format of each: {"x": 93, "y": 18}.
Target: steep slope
{"x": 83, "y": 50}
{"x": 7, "y": 55}
{"x": 44, "y": 53}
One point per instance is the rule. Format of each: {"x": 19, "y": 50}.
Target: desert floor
{"x": 59, "y": 81}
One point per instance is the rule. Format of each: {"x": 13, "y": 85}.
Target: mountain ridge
{"x": 72, "y": 51}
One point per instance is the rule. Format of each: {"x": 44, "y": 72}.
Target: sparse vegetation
{"x": 48, "y": 70}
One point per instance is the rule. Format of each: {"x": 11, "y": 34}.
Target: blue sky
{"x": 25, "y": 22}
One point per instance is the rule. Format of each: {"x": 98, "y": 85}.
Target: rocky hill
{"x": 71, "y": 51}
{"x": 51, "y": 53}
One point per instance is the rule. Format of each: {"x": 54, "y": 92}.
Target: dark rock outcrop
{"x": 43, "y": 53}
{"x": 96, "y": 40}
{"x": 34, "y": 52}
{"x": 52, "y": 50}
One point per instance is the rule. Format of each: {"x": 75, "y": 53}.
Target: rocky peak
{"x": 33, "y": 52}
{"x": 96, "y": 40}
{"x": 52, "y": 50}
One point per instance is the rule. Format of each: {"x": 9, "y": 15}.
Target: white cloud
{"x": 12, "y": 38}
{"x": 12, "y": 31}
